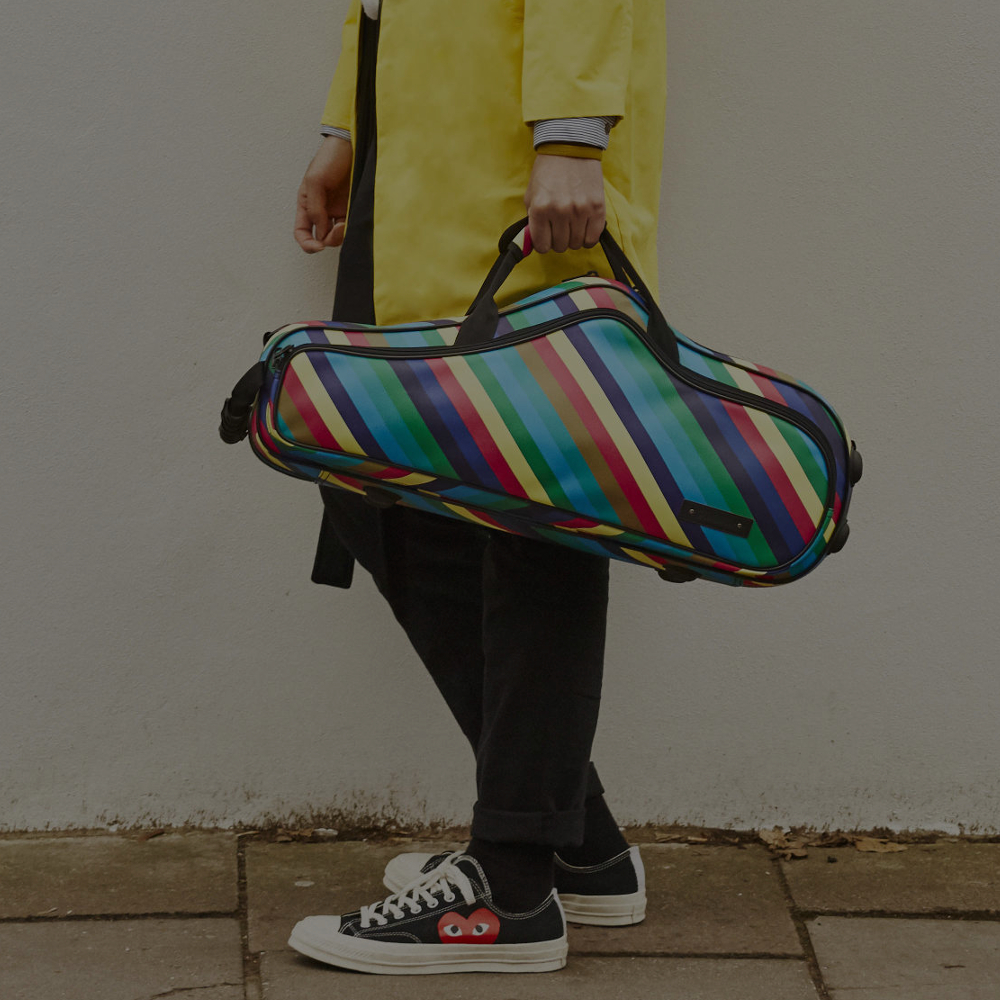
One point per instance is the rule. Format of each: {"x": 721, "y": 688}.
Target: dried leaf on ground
{"x": 790, "y": 846}
{"x": 284, "y": 836}
{"x": 794, "y": 853}
{"x": 828, "y": 840}
{"x": 872, "y": 846}
{"x": 774, "y": 837}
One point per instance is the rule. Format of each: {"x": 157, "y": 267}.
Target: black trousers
{"x": 511, "y": 630}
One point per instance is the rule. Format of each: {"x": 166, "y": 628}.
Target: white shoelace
{"x": 428, "y": 890}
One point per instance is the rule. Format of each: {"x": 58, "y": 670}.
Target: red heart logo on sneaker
{"x": 479, "y": 927}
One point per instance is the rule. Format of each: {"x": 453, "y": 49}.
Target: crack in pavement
{"x": 178, "y": 990}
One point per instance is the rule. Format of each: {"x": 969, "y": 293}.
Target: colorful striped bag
{"x": 575, "y": 415}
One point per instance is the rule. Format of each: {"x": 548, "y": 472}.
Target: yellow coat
{"x": 457, "y": 85}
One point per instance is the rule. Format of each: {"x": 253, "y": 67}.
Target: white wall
{"x": 830, "y": 208}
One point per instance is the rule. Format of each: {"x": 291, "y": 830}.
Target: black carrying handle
{"x": 480, "y": 324}
{"x": 235, "y": 422}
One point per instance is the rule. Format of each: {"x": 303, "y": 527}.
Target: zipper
{"x": 281, "y": 358}
{"x": 451, "y": 322}
{"x": 635, "y": 532}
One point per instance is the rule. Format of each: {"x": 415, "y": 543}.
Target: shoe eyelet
{"x": 450, "y": 898}
{"x": 431, "y": 906}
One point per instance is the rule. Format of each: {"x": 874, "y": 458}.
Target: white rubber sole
{"x": 311, "y": 938}
{"x": 604, "y": 911}
{"x": 597, "y": 911}
{"x": 610, "y": 911}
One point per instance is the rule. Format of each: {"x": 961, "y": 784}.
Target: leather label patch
{"x": 719, "y": 520}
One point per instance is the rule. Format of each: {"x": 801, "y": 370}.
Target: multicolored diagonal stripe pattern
{"x": 570, "y": 428}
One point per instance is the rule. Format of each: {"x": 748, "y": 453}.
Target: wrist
{"x": 575, "y": 150}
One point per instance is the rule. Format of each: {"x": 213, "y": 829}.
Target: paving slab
{"x": 121, "y": 959}
{"x": 702, "y": 900}
{"x": 286, "y": 882}
{"x": 899, "y": 959}
{"x": 289, "y": 977}
{"x": 174, "y": 873}
{"x": 922, "y": 879}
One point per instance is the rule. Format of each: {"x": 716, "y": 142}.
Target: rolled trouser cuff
{"x": 557, "y": 829}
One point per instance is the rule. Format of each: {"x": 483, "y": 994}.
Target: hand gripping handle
{"x": 480, "y": 324}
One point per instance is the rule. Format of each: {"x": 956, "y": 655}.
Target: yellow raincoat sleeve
{"x": 339, "y": 111}
{"x": 576, "y": 58}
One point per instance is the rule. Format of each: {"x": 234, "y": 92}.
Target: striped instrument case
{"x": 575, "y": 415}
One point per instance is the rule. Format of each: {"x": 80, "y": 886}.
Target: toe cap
{"x": 314, "y": 930}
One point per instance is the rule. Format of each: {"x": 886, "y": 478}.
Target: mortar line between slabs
{"x": 252, "y": 986}
{"x": 942, "y": 914}
{"x": 70, "y": 918}
{"x": 805, "y": 941}
{"x": 757, "y": 956}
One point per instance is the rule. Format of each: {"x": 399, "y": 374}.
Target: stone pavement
{"x": 205, "y": 915}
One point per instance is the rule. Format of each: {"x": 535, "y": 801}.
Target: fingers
{"x": 315, "y": 227}
{"x": 310, "y": 226}
{"x": 540, "y": 228}
{"x": 553, "y": 229}
{"x": 557, "y": 226}
{"x": 335, "y": 237}
{"x": 565, "y": 202}
{"x": 321, "y": 203}
{"x": 594, "y": 228}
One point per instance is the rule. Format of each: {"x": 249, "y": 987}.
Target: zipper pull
{"x": 279, "y": 359}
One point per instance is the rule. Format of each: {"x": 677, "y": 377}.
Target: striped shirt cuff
{"x": 585, "y": 131}
{"x": 341, "y": 133}
{"x": 580, "y": 131}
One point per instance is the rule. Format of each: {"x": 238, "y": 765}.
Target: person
{"x": 443, "y": 123}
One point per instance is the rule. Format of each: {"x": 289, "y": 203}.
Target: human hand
{"x": 321, "y": 205}
{"x": 565, "y": 202}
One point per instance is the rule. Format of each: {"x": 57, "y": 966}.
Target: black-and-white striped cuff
{"x": 585, "y": 131}
{"x": 342, "y": 133}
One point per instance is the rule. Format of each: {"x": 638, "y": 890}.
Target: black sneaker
{"x": 611, "y": 894}
{"x": 443, "y": 921}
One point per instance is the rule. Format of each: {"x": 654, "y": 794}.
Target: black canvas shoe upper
{"x": 433, "y": 861}
{"x": 614, "y": 877}
{"x": 452, "y": 904}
